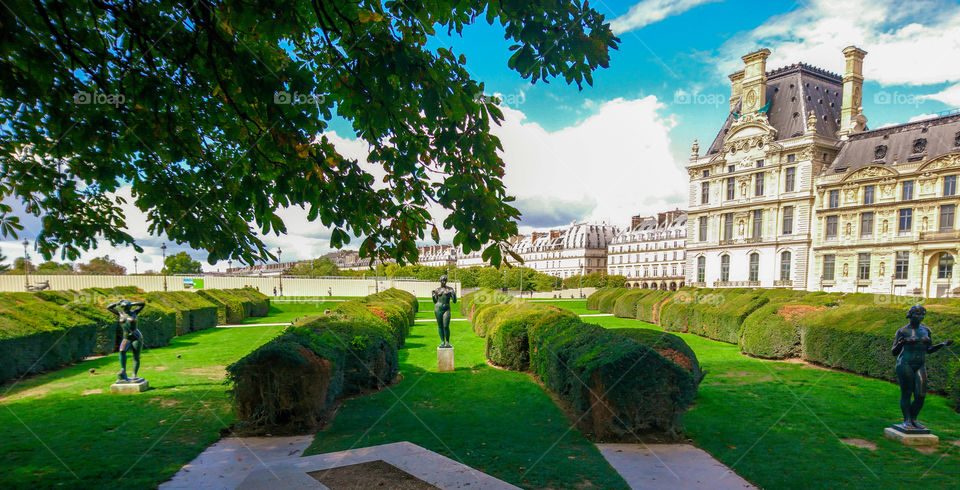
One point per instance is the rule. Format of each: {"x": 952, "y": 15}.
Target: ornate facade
{"x": 579, "y": 248}
{"x": 651, "y": 253}
{"x": 886, "y": 212}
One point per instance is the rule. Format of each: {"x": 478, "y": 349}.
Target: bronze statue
{"x": 442, "y": 297}
{"x": 911, "y": 345}
{"x": 132, "y": 338}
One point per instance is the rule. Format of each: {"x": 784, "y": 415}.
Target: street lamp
{"x": 279, "y": 264}
{"x": 26, "y": 265}
{"x": 135, "y": 260}
{"x": 229, "y": 265}
{"x": 163, "y": 252}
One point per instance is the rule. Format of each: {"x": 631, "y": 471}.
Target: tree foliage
{"x": 53, "y": 268}
{"x": 319, "y": 267}
{"x": 103, "y": 266}
{"x": 215, "y": 113}
{"x": 181, "y": 263}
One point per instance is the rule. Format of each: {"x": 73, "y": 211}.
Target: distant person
{"x": 274, "y": 292}
{"x": 327, "y": 311}
{"x": 330, "y": 291}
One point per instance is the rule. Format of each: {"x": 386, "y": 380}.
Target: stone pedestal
{"x": 131, "y": 387}
{"x": 444, "y": 359}
{"x": 918, "y": 438}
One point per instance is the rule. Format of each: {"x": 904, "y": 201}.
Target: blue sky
{"x": 618, "y": 148}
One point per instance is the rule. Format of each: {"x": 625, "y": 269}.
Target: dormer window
{"x": 880, "y": 152}
{"x": 919, "y": 145}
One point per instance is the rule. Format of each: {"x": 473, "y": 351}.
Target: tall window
{"x": 731, "y": 187}
{"x": 907, "y": 191}
{"x": 829, "y": 267}
{"x": 791, "y": 158}
{"x": 759, "y": 163}
{"x": 863, "y": 266}
{"x": 702, "y": 228}
{"x": 758, "y": 184}
{"x": 902, "y": 266}
{"x": 728, "y": 226}
{"x": 834, "y": 199}
{"x": 788, "y": 220}
{"x": 755, "y": 267}
{"x": 945, "y": 266}
{"x": 947, "y": 212}
{"x": 785, "y": 266}
{"x": 724, "y": 268}
{"x": 705, "y": 173}
{"x": 866, "y": 224}
{"x": 731, "y": 168}
{"x": 791, "y": 179}
{"x": 701, "y": 269}
{"x": 905, "y": 224}
{"x": 704, "y": 193}
{"x": 869, "y": 192}
{"x": 950, "y": 185}
{"x": 757, "y": 224}
{"x": 830, "y": 232}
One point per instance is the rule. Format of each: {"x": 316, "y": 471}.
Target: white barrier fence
{"x": 339, "y": 286}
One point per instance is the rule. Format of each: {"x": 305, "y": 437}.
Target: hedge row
{"x": 291, "y": 383}
{"x": 48, "y": 329}
{"x": 619, "y": 384}
{"x": 853, "y": 331}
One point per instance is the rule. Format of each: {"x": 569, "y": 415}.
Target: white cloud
{"x": 949, "y": 96}
{"x": 909, "y": 44}
{"x": 651, "y": 11}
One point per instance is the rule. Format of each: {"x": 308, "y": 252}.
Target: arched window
{"x": 754, "y": 267}
{"x": 785, "y": 266}
{"x": 701, "y": 269}
{"x": 724, "y": 268}
{"x": 945, "y": 266}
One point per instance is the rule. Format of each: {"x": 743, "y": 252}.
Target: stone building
{"x": 651, "y": 253}
{"x": 752, "y": 192}
{"x": 437, "y": 256}
{"x": 886, "y": 212}
{"x": 578, "y": 248}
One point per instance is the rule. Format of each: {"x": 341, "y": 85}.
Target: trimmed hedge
{"x": 235, "y": 305}
{"x": 648, "y": 306}
{"x": 626, "y": 304}
{"x": 191, "y": 311}
{"x": 667, "y": 345}
{"x": 773, "y": 330}
{"x": 507, "y": 342}
{"x": 292, "y": 383}
{"x": 606, "y": 301}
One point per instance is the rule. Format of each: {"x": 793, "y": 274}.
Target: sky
{"x": 618, "y": 148}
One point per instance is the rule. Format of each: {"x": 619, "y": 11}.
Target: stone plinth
{"x": 911, "y": 439}
{"x": 131, "y": 387}
{"x": 444, "y": 359}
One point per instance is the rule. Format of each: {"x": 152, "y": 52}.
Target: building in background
{"x": 752, "y": 192}
{"x": 886, "y": 212}
{"x": 651, "y": 253}
{"x": 438, "y": 256}
{"x": 578, "y": 248}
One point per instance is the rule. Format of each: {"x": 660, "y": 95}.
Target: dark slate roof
{"x": 941, "y": 135}
{"x": 796, "y": 90}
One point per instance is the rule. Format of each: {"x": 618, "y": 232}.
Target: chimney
{"x": 635, "y": 221}
{"x": 754, "y": 81}
{"x": 851, "y": 120}
{"x": 736, "y": 89}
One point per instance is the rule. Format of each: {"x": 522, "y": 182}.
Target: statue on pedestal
{"x": 911, "y": 345}
{"x": 132, "y": 338}
{"x": 442, "y": 297}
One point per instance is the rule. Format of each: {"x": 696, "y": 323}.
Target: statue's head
{"x": 125, "y": 304}
{"x": 917, "y": 312}
{"x": 443, "y": 280}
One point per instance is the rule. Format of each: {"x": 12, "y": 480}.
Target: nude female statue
{"x": 911, "y": 345}
{"x": 132, "y": 338}
{"x": 442, "y": 297}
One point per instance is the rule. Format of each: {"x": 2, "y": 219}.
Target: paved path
{"x": 226, "y": 463}
{"x": 670, "y": 466}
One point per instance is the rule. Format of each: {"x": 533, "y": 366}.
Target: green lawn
{"x": 285, "y": 312}
{"x": 779, "y": 424}
{"x": 65, "y": 429}
{"x": 497, "y": 421}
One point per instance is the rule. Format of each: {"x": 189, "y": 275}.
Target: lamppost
{"x": 581, "y": 278}
{"x": 229, "y": 265}
{"x": 26, "y": 265}
{"x": 163, "y": 253}
{"x": 521, "y": 282}
{"x": 281, "y": 269}
{"x": 135, "y": 260}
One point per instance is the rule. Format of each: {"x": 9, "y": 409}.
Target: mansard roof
{"x": 796, "y": 90}
{"x": 899, "y": 144}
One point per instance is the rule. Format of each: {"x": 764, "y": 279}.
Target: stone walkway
{"x": 225, "y": 464}
{"x": 670, "y": 466}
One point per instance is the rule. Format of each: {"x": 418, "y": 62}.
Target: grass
{"x": 779, "y": 424}
{"x": 285, "y": 312}
{"x": 65, "y": 429}
{"x": 497, "y": 421}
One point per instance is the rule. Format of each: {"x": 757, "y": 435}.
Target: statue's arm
{"x": 935, "y": 347}
{"x": 897, "y": 344}
{"x": 453, "y": 296}
{"x": 137, "y": 306}
{"x": 434, "y": 296}
{"x": 112, "y": 308}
